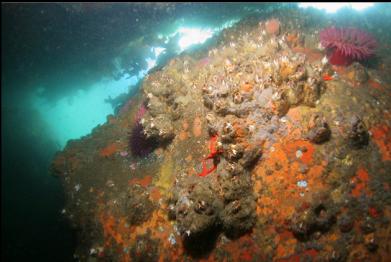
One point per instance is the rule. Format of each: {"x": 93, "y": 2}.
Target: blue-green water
{"x": 65, "y": 67}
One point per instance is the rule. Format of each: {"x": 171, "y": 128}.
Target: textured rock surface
{"x": 298, "y": 161}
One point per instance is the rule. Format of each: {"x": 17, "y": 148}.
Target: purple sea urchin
{"x": 139, "y": 144}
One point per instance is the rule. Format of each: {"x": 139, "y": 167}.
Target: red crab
{"x": 214, "y": 153}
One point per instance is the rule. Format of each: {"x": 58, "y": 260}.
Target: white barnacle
{"x": 284, "y": 59}
{"x": 210, "y": 118}
{"x": 172, "y": 239}
{"x": 110, "y": 183}
{"x": 276, "y": 96}
{"x": 227, "y": 127}
{"x": 324, "y": 60}
{"x": 320, "y": 47}
{"x": 251, "y": 128}
{"x": 219, "y": 144}
{"x": 310, "y": 80}
{"x": 299, "y": 154}
{"x": 283, "y": 119}
{"x": 77, "y": 187}
{"x": 234, "y": 152}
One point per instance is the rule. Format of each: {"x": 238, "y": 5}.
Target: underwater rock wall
{"x": 260, "y": 151}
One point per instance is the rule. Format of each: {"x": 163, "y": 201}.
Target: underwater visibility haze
{"x": 196, "y": 131}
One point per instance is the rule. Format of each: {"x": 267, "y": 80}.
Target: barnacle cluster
{"x": 248, "y": 85}
{"x": 164, "y": 102}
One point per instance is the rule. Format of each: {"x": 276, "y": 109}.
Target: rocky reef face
{"x": 259, "y": 150}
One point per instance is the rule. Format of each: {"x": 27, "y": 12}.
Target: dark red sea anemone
{"x": 346, "y": 45}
